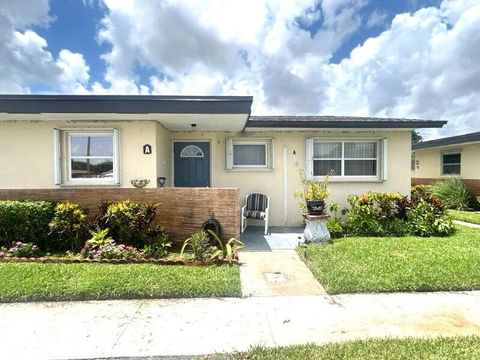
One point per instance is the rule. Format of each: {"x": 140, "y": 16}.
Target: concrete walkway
{"x": 72, "y": 330}
{"x": 464, "y": 223}
{"x": 276, "y": 273}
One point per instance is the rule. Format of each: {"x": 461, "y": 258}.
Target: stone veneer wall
{"x": 181, "y": 211}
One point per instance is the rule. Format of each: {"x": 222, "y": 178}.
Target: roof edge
{"x": 405, "y": 124}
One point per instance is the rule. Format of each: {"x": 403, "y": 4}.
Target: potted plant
{"x": 313, "y": 195}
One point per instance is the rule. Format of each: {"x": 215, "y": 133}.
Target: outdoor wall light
{"x": 193, "y": 126}
{"x": 161, "y": 181}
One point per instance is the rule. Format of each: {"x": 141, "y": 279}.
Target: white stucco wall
{"x": 27, "y": 159}
{"x": 271, "y": 182}
{"x": 430, "y": 162}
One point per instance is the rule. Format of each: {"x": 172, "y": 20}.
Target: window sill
{"x": 249, "y": 169}
{"x": 76, "y": 185}
{"x": 351, "y": 180}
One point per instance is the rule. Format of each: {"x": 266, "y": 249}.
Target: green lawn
{"x": 467, "y": 216}
{"x": 397, "y": 264}
{"x": 388, "y": 349}
{"x": 36, "y": 282}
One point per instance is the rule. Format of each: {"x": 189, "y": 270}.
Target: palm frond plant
{"x": 453, "y": 193}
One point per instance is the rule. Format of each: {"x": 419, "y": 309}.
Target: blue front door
{"x": 191, "y": 164}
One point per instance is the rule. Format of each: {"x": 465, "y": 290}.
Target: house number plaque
{"x": 147, "y": 149}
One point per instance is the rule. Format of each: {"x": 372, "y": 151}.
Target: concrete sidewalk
{"x": 202, "y": 326}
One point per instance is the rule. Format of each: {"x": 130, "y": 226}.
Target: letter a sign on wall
{"x": 147, "y": 149}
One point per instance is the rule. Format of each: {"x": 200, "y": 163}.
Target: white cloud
{"x": 26, "y": 61}
{"x": 263, "y": 48}
{"x": 376, "y": 18}
{"x": 424, "y": 66}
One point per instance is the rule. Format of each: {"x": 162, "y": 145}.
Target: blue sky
{"x": 408, "y": 58}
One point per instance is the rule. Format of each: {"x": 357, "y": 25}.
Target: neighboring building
{"x": 455, "y": 156}
{"x": 106, "y": 141}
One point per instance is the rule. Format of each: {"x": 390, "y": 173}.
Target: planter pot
{"x": 316, "y": 207}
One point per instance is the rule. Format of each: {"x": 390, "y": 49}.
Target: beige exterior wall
{"x": 430, "y": 162}
{"x": 27, "y": 158}
{"x": 272, "y": 182}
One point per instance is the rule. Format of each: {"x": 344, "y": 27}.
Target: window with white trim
{"x": 451, "y": 163}
{"x": 346, "y": 158}
{"x": 86, "y": 157}
{"x": 249, "y": 154}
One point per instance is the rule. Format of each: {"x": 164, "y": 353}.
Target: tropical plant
{"x": 311, "y": 190}
{"x": 68, "y": 227}
{"x": 101, "y": 246}
{"x": 427, "y": 220}
{"x": 227, "y": 251}
{"x": 198, "y": 244}
{"x": 453, "y": 193}
{"x": 20, "y": 249}
{"x": 99, "y": 237}
{"x": 335, "y": 225}
{"x": 376, "y": 213}
{"x": 335, "y": 228}
{"x": 130, "y": 222}
{"x": 158, "y": 248}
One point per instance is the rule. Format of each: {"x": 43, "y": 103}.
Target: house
{"x": 455, "y": 156}
{"x": 69, "y": 142}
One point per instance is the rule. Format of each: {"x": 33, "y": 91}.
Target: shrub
{"x": 68, "y": 228}
{"x": 159, "y": 246}
{"x": 335, "y": 227}
{"x": 453, "y": 193}
{"x": 377, "y": 214}
{"x": 421, "y": 192}
{"x": 199, "y": 245}
{"x": 20, "y": 249}
{"x": 130, "y": 222}
{"x": 427, "y": 220}
{"x": 25, "y": 221}
{"x": 102, "y": 247}
{"x": 391, "y": 214}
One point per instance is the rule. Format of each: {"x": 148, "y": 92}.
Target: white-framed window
{"x": 347, "y": 159}
{"x": 452, "y": 163}
{"x": 86, "y": 157}
{"x": 249, "y": 154}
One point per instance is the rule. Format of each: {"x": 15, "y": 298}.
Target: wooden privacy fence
{"x": 181, "y": 211}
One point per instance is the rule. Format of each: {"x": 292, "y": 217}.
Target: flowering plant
{"x": 20, "y": 249}
{"x": 102, "y": 247}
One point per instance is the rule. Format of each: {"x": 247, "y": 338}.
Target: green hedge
{"x": 25, "y": 221}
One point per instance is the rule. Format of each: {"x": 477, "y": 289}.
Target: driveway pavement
{"x": 72, "y": 330}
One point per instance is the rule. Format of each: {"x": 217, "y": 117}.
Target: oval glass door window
{"x": 191, "y": 151}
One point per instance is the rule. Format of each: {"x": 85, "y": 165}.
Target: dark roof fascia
{"x": 453, "y": 140}
{"x": 346, "y": 124}
{"x": 125, "y": 104}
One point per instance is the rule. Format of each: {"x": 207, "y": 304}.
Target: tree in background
{"x": 416, "y": 137}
